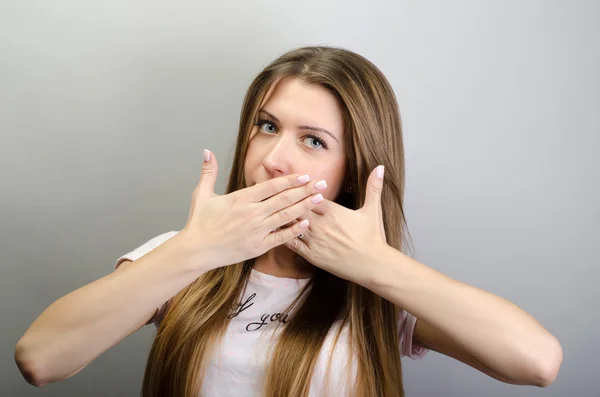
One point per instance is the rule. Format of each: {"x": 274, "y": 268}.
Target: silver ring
{"x": 300, "y": 235}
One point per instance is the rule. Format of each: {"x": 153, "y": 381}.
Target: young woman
{"x": 294, "y": 283}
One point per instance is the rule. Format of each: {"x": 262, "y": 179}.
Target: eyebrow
{"x": 302, "y": 127}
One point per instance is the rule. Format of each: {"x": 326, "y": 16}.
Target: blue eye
{"x": 266, "y": 126}
{"x": 314, "y": 142}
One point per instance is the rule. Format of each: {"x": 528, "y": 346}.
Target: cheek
{"x": 332, "y": 192}
{"x": 248, "y": 164}
{"x": 253, "y": 160}
{"x": 335, "y": 179}
{"x": 251, "y": 154}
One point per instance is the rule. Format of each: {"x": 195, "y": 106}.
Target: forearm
{"x": 493, "y": 330}
{"x": 81, "y": 325}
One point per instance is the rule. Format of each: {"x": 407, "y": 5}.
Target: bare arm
{"x": 221, "y": 230}
{"x": 474, "y": 326}
{"x": 80, "y": 326}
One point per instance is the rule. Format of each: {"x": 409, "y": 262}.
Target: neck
{"x": 282, "y": 262}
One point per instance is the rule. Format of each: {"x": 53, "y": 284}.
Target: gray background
{"x": 105, "y": 108}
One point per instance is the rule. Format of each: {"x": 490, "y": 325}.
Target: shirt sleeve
{"x": 141, "y": 251}
{"x": 406, "y": 327}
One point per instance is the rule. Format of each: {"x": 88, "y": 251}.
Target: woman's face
{"x": 299, "y": 130}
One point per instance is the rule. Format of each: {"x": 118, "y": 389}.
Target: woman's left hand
{"x": 345, "y": 242}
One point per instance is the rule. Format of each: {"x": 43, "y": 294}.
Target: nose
{"x": 278, "y": 159}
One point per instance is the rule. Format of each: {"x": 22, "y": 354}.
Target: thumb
{"x": 374, "y": 189}
{"x": 210, "y": 169}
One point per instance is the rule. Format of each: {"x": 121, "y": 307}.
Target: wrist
{"x": 385, "y": 261}
{"x": 195, "y": 254}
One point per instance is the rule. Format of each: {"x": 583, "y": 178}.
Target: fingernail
{"x": 379, "y": 171}
{"x": 321, "y": 185}
{"x": 206, "y": 156}
{"x": 303, "y": 178}
{"x": 317, "y": 199}
{"x": 304, "y": 224}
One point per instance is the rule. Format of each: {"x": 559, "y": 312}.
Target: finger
{"x": 374, "y": 189}
{"x": 287, "y": 215}
{"x": 323, "y": 207}
{"x": 282, "y": 236}
{"x": 306, "y": 215}
{"x": 264, "y": 190}
{"x": 298, "y": 246}
{"x": 310, "y": 215}
{"x": 291, "y": 196}
{"x": 210, "y": 169}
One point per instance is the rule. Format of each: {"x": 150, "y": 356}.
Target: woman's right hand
{"x": 244, "y": 224}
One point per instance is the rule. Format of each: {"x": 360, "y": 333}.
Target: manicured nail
{"x": 317, "y": 199}
{"x": 321, "y": 185}
{"x": 304, "y": 224}
{"x": 379, "y": 171}
{"x": 206, "y": 156}
{"x": 303, "y": 178}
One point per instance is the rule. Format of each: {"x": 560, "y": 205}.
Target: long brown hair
{"x": 198, "y": 316}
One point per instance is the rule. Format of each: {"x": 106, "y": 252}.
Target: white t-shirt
{"x": 237, "y": 368}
